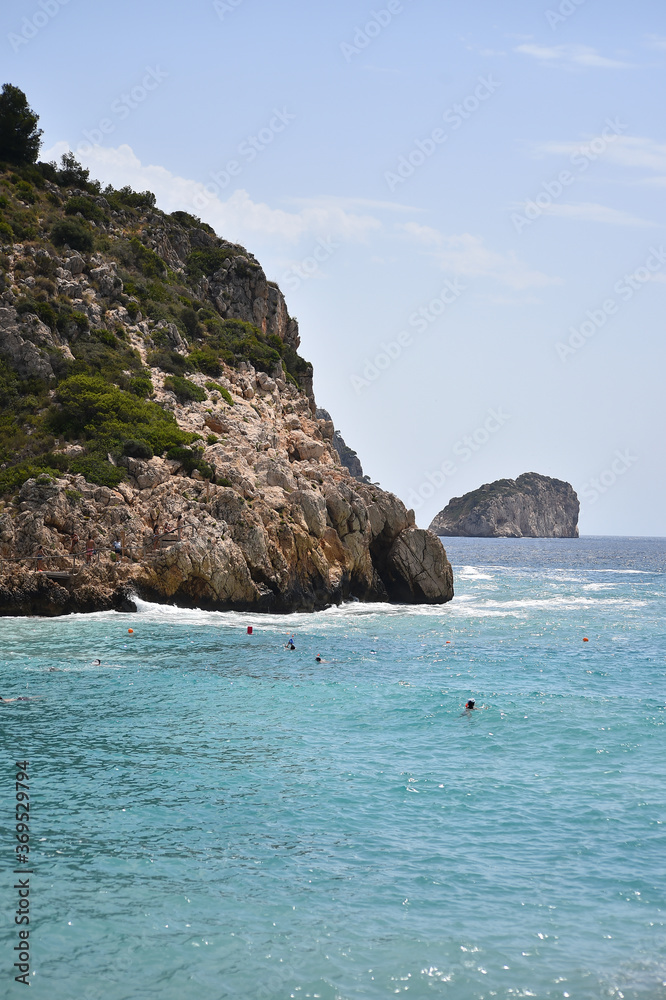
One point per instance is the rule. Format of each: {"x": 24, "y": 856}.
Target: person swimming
{"x": 470, "y": 706}
{"x": 97, "y": 663}
{"x": 318, "y": 658}
{"x": 5, "y": 700}
{"x": 290, "y": 643}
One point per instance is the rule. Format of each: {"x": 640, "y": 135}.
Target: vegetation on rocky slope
{"x": 148, "y": 272}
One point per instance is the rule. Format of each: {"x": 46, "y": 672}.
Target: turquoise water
{"x": 214, "y": 816}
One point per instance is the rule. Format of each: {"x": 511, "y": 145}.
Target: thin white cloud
{"x": 467, "y": 255}
{"x": 512, "y": 300}
{"x": 637, "y": 152}
{"x": 237, "y": 217}
{"x": 625, "y": 150}
{"x": 422, "y": 234}
{"x": 570, "y": 56}
{"x": 590, "y": 212}
{"x": 348, "y": 202}
{"x": 656, "y": 42}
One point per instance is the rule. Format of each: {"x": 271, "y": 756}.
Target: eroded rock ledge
{"x": 290, "y": 529}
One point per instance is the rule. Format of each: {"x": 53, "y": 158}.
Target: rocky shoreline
{"x": 266, "y": 549}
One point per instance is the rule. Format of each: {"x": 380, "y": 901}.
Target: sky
{"x": 461, "y": 201}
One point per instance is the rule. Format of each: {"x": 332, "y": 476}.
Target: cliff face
{"x": 269, "y": 518}
{"x": 348, "y": 456}
{"x": 283, "y": 528}
{"x": 531, "y": 506}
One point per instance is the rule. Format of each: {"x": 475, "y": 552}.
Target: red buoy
{"x": 585, "y": 640}
{"x": 249, "y": 630}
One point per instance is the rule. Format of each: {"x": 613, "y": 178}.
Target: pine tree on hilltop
{"x": 20, "y": 138}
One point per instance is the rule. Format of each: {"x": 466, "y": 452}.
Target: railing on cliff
{"x": 64, "y": 565}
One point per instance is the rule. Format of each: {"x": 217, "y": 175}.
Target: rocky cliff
{"x": 153, "y": 397}
{"x": 348, "y": 456}
{"x": 532, "y": 506}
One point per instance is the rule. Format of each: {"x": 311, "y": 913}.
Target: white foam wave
{"x": 562, "y": 601}
{"x": 624, "y": 572}
{"x": 286, "y": 623}
{"x": 472, "y": 573}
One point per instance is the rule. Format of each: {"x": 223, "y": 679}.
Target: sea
{"x": 213, "y": 815}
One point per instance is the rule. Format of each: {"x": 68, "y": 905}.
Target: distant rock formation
{"x": 532, "y": 506}
{"x": 348, "y": 457}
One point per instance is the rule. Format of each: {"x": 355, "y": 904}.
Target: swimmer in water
{"x": 5, "y": 700}
{"x": 290, "y": 643}
{"x": 318, "y": 659}
{"x": 470, "y": 706}
{"x": 97, "y": 663}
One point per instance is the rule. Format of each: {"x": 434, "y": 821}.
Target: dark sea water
{"x": 215, "y": 816}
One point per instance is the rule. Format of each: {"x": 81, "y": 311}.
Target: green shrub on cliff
{"x": 186, "y": 391}
{"x": 147, "y": 260}
{"x": 73, "y": 233}
{"x": 169, "y": 361}
{"x": 137, "y": 449}
{"x": 204, "y": 263}
{"x": 91, "y": 408}
{"x": 98, "y": 470}
{"x": 205, "y": 360}
{"x": 13, "y": 478}
{"x": 101, "y": 352}
{"x": 141, "y": 385}
{"x": 86, "y": 206}
{"x": 191, "y": 459}
{"x": 224, "y": 392}
{"x": 125, "y": 197}
{"x": 192, "y": 222}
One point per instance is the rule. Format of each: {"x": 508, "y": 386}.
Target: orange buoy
{"x": 585, "y": 639}
{"x": 448, "y": 642}
{"x": 130, "y": 629}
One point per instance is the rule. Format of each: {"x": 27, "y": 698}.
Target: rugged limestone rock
{"x": 348, "y": 457}
{"x": 253, "y": 544}
{"x": 281, "y": 526}
{"x": 532, "y": 506}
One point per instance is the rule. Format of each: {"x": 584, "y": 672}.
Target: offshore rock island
{"x": 156, "y": 412}
{"x": 532, "y": 506}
